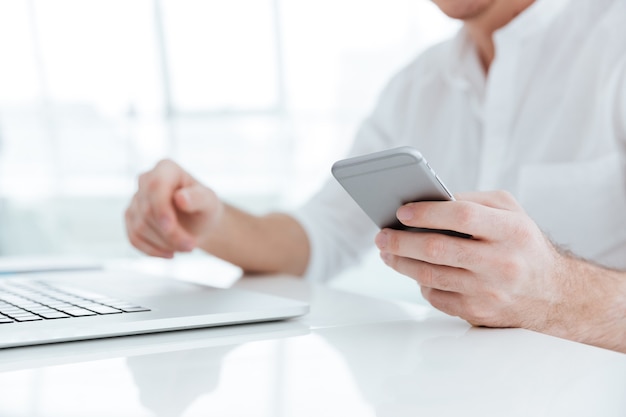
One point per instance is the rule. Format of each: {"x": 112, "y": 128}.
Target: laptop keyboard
{"x": 30, "y": 301}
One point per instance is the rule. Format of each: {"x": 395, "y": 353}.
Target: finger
{"x": 498, "y": 199}
{"x": 446, "y": 301}
{"x": 148, "y": 249}
{"x": 476, "y": 310}
{"x": 145, "y": 246}
{"x": 468, "y": 217}
{"x": 177, "y": 238}
{"x": 155, "y": 192}
{"x": 435, "y": 248}
{"x": 433, "y": 276}
{"x": 138, "y": 229}
{"x": 161, "y": 233}
{"x": 143, "y": 226}
{"x": 148, "y": 234}
{"x": 140, "y": 222}
{"x": 155, "y": 203}
{"x": 195, "y": 198}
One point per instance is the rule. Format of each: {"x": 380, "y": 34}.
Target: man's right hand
{"x": 171, "y": 211}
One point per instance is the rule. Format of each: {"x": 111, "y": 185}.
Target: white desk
{"x": 351, "y": 356}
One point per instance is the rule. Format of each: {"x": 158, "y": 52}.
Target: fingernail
{"x": 404, "y": 213}
{"x": 381, "y": 240}
{"x": 188, "y": 246}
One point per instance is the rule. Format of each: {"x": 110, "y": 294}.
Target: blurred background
{"x": 254, "y": 97}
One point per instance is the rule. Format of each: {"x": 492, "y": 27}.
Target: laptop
{"x": 41, "y": 308}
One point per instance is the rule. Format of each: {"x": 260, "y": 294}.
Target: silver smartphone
{"x": 383, "y": 181}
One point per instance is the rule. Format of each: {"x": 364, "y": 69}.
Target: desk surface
{"x": 351, "y": 356}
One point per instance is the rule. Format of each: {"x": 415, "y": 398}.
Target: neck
{"x": 482, "y": 26}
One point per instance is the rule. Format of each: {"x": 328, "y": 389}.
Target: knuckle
{"x": 511, "y": 267}
{"x": 165, "y": 163}
{"x": 466, "y": 214}
{"x": 434, "y": 248}
{"x": 145, "y": 212}
{"x": 168, "y": 235}
{"x": 434, "y": 278}
{"x": 152, "y": 183}
{"x": 476, "y": 313}
{"x": 140, "y": 227}
{"x": 145, "y": 182}
{"x": 505, "y": 196}
{"x": 393, "y": 243}
{"x": 465, "y": 256}
{"x": 143, "y": 178}
{"x": 522, "y": 229}
{"x": 174, "y": 239}
{"x": 443, "y": 282}
{"x": 437, "y": 299}
{"x": 521, "y": 234}
{"x": 425, "y": 276}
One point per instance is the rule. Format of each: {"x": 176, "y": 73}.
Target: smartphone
{"x": 382, "y": 182}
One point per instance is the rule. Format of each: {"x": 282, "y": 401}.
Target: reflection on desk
{"x": 375, "y": 359}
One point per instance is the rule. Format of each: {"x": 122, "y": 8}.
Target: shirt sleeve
{"x": 621, "y": 104}
{"x": 620, "y": 115}
{"x": 339, "y": 232}
{"x": 616, "y": 108}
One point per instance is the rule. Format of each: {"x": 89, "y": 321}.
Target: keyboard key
{"x": 14, "y": 316}
{"x": 79, "y": 312}
{"x": 54, "y": 315}
{"x": 100, "y": 309}
{"x": 59, "y": 305}
{"x": 134, "y": 309}
{"x": 34, "y": 301}
{"x": 42, "y": 309}
{"x": 32, "y": 317}
{"x": 8, "y": 312}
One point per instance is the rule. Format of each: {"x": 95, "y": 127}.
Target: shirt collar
{"x": 465, "y": 69}
{"x": 538, "y": 16}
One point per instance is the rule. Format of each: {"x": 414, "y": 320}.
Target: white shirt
{"x": 548, "y": 125}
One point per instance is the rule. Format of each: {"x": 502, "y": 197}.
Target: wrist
{"x": 215, "y": 231}
{"x": 591, "y": 304}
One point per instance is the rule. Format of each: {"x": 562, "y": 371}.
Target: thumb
{"x": 195, "y": 198}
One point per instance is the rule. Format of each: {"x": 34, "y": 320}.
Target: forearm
{"x": 274, "y": 243}
{"x": 593, "y": 307}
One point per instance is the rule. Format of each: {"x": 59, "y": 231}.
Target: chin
{"x": 464, "y": 9}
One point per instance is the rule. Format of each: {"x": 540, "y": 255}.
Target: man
{"x": 529, "y": 97}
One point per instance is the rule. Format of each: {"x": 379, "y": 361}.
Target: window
{"x": 254, "y": 97}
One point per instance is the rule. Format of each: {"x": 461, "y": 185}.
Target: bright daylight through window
{"x": 255, "y": 97}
